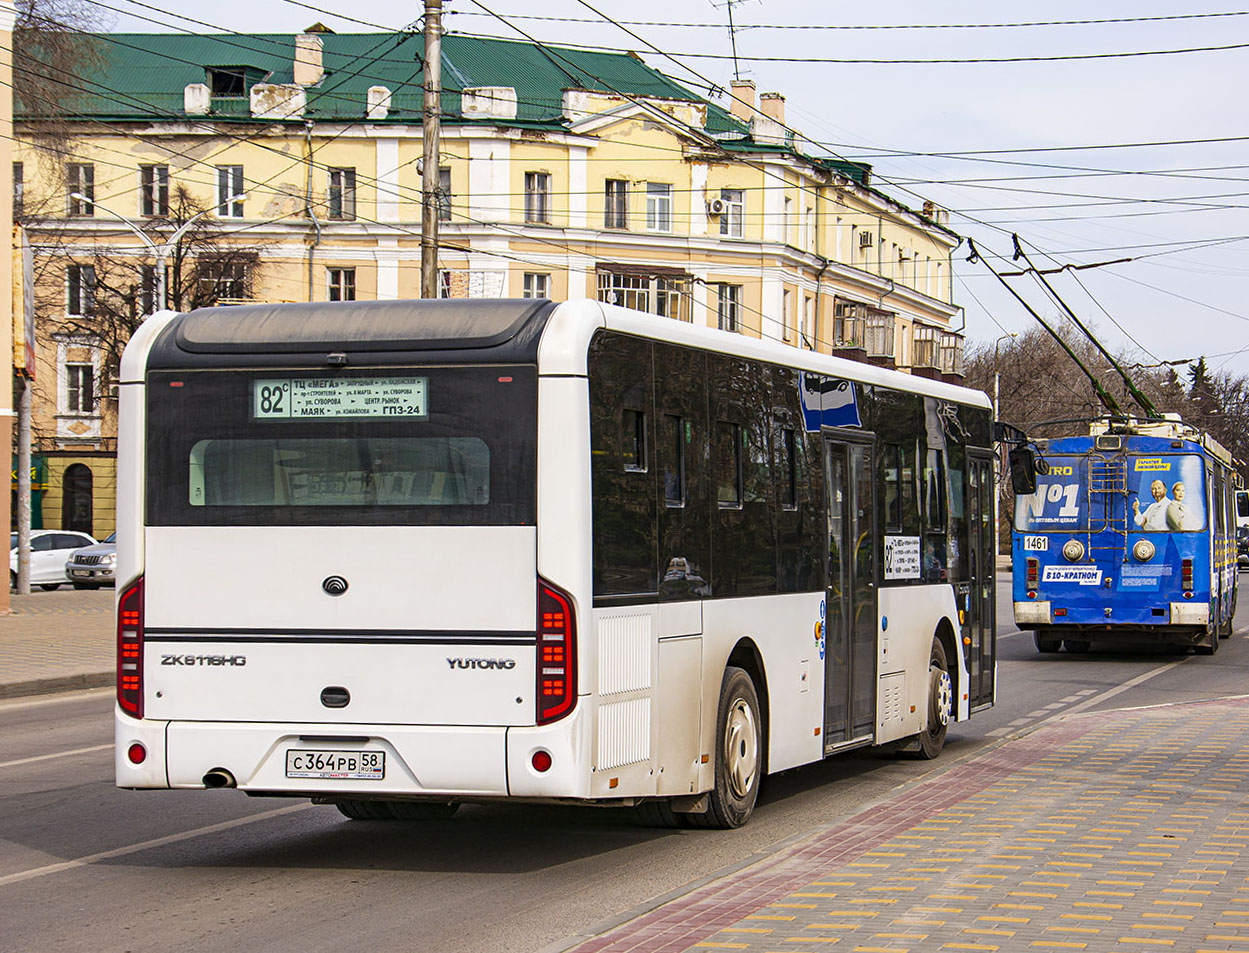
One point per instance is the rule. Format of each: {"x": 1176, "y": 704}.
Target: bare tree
{"x": 205, "y": 267}
{"x": 54, "y": 54}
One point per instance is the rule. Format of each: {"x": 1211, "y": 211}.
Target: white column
{"x": 578, "y": 186}
{"x": 387, "y": 180}
{"x": 698, "y": 207}
{"x": 489, "y": 185}
{"x": 387, "y": 269}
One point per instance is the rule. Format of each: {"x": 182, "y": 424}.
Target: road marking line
{"x": 49, "y": 757}
{"x": 148, "y": 845}
{"x": 1130, "y": 683}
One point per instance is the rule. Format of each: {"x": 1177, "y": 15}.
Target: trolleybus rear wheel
{"x": 739, "y": 754}
{"x": 1076, "y": 646}
{"x": 1211, "y": 644}
{"x": 1044, "y": 642}
{"x": 940, "y": 703}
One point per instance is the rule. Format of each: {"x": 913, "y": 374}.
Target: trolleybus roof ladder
{"x": 1108, "y": 477}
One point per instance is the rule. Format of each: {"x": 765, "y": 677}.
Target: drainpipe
{"x": 312, "y": 249}
{"x": 819, "y": 283}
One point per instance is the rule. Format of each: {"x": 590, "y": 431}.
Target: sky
{"x": 1132, "y": 167}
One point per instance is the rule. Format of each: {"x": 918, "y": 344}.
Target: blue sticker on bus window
{"x": 828, "y": 402}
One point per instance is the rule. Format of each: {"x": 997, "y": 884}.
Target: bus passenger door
{"x": 980, "y": 608}
{"x": 850, "y": 620}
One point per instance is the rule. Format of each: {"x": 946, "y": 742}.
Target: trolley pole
{"x": 429, "y": 173}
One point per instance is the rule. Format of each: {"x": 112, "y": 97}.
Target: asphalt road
{"x": 84, "y": 866}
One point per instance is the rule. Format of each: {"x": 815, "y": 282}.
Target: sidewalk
{"x": 56, "y": 641}
{"x": 1123, "y": 831}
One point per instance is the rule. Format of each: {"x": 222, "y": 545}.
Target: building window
{"x": 616, "y": 204}
{"x": 342, "y": 194}
{"x": 849, "y": 324}
{"x": 734, "y": 209}
{"x": 80, "y": 283}
{"x": 444, "y": 284}
{"x": 658, "y": 207}
{"x": 342, "y": 284}
{"x": 667, "y": 296}
{"x": 808, "y": 322}
{"x": 537, "y": 285}
{"x": 787, "y": 315}
{"x": 230, "y": 191}
{"x": 19, "y": 189}
{"x": 537, "y": 197}
{"x": 148, "y": 303}
{"x": 227, "y": 81}
{"x": 808, "y": 230}
{"x": 79, "y": 389}
{"x": 80, "y": 180}
{"x": 728, "y": 307}
{"x": 153, "y": 190}
{"x": 444, "y": 195}
{"x": 223, "y": 279}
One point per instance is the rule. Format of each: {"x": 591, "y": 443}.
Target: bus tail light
{"x": 557, "y": 654}
{"x": 1033, "y": 575}
{"x": 1186, "y": 575}
{"x": 130, "y": 649}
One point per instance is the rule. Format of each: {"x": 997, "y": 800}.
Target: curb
{"x": 64, "y": 683}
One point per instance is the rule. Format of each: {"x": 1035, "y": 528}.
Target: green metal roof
{"x": 142, "y": 77}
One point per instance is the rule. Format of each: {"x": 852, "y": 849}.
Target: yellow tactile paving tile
{"x": 1127, "y": 833}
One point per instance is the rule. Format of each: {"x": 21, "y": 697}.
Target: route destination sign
{"x": 331, "y": 398}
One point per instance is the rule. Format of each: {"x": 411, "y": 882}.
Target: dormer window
{"x": 234, "y": 81}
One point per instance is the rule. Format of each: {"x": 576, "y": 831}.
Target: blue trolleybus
{"x": 1129, "y": 536}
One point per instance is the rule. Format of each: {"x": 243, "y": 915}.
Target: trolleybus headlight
{"x": 1073, "y": 550}
{"x": 1143, "y": 550}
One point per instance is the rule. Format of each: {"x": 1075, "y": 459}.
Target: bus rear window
{"x": 438, "y": 446}
{"x": 321, "y": 471}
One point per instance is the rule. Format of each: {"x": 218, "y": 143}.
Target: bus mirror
{"x": 1023, "y": 470}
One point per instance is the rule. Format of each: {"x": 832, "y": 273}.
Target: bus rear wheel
{"x": 395, "y": 810}
{"x": 1076, "y": 646}
{"x": 940, "y": 704}
{"x": 1211, "y": 644}
{"x": 739, "y": 754}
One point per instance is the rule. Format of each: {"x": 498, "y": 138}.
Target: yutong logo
{"x": 238, "y": 660}
{"x": 481, "y": 663}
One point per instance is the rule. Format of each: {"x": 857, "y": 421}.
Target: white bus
{"x": 395, "y": 556}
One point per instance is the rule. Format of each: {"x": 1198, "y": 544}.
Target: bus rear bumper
{"x": 419, "y": 761}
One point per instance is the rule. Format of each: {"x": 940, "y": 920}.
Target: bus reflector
{"x": 541, "y": 761}
{"x": 136, "y": 753}
{"x": 557, "y": 654}
{"x": 130, "y": 649}
{"x": 1186, "y": 574}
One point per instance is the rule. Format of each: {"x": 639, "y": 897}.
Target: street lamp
{"x": 161, "y": 252}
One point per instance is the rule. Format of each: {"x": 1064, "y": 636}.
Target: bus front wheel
{"x": 739, "y": 754}
{"x": 940, "y": 703}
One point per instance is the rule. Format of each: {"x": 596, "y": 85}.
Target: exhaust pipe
{"x": 219, "y": 778}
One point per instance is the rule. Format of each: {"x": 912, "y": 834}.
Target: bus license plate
{"x": 336, "y": 765}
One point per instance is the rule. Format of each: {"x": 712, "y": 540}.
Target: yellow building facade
{"x": 601, "y": 179}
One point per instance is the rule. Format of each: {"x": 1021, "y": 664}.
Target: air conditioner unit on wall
{"x": 716, "y": 207}
{"x": 866, "y": 239}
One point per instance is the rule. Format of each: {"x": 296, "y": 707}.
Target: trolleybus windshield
{"x": 1160, "y": 493}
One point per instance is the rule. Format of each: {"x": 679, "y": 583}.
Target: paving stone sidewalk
{"x": 1121, "y": 831}
{"x": 57, "y": 641}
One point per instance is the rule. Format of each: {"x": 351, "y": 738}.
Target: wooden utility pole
{"x": 429, "y": 173}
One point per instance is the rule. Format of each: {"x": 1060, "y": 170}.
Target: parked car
{"x": 93, "y": 566}
{"x": 1242, "y": 547}
{"x": 48, "y": 551}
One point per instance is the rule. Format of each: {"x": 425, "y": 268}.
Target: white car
{"x": 49, "y": 548}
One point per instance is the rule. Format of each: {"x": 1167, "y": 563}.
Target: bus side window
{"x": 672, "y": 459}
{"x": 890, "y": 459}
{"x": 633, "y": 440}
{"x": 728, "y": 464}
